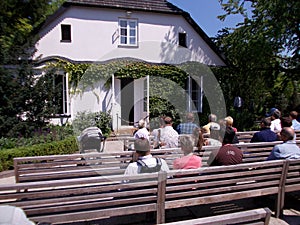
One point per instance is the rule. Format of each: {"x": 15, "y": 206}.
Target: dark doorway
{"x": 127, "y": 100}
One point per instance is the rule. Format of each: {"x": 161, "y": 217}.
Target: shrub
{"x": 67, "y": 146}
{"x": 40, "y": 136}
{"x": 87, "y": 119}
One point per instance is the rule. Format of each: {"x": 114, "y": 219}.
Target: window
{"x": 182, "y": 39}
{"x": 61, "y": 100}
{"x": 194, "y": 89}
{"x": 65, "y": 33}
{"x": 128, "y": 32}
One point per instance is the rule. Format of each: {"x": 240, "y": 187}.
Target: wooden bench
{"x": 95, "y": 198}
{"x": 259, "y": 216}
{"x": 41, "y": 168}
{"x": 292, "y": 182}
{"x": 245, "y": 136}
{"x": 55, "y": 167}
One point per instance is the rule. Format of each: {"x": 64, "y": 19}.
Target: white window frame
{"x": 195, "y": 104}
{"x": 127, "y": 36}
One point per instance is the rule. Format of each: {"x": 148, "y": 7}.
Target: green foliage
{"x": 264, "y": 52}
{"x": 25, "y": 102}
{"x": 40, "y": 135}
{"x": 67, "y": 146}
{"x": 87, "y": 119}
{"x": 19, "y": 21}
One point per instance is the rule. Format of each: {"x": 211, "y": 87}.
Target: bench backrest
{"x": 83, "y": 199}
{"x": 97, "y": 197}
{"x": 40, "y": 168}
{"x": 259, "y": 216}
{"x": 223, "y": 183}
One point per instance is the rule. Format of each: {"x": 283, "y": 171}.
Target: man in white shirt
{"x": 142, "y": 131}
{"x": 168, "y": 136}
{"x": 143, "y": 161}
{"x": 275, "y": 120}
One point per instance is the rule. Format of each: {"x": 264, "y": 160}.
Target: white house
{"x": 93, "y": 31}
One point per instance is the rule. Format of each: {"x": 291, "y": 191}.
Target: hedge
{"x": 67, "y": 146}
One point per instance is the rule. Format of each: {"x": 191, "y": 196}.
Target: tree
{"x": 264, "y": 53}
{"x": 23, "y": 99}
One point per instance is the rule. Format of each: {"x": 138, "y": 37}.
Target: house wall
{"x": 94, "y": 34}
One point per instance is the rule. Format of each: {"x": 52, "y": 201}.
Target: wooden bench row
{"x": 243, "y": 137}
{"x": 41, "y": 168}
{"x": 104, "y": 197}
{"x": 259, "y": 216}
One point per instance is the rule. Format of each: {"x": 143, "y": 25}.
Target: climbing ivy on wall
{"x": 83, "y": 75}
{"x": 173, "y": 78}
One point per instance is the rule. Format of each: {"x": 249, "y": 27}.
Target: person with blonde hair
{"x": 189, "y": 160}
{"x": 229, "y": 122}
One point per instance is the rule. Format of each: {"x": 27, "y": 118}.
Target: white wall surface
{"x": 95, "y": 36}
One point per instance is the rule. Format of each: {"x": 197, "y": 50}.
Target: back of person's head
{"x": 276, "y": 114}
{"x": 142, "y": 123}
{"x": 287, "y": 133}
{"x": 228, "y": 135}
{"x": 142, "y": 145}
{"x": 293, "y": 115}
{"x": 189, "y": 117}
{"x": 168, "y": 120}
{"x": 286, "y": 122}
{"x": 266, "y": 122}
{"x": 212, "y": 118}
{"x": 229, "y": 121}
{"x": 198, "y": 138}
{"x": 187, "y": 143}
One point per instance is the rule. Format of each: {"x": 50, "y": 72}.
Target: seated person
{"x": 212, "y": 124}
{"x": 288, "y": 149}
{"x": 157, "y": 132}
{"x": 265, "y": 134}
{"x": 295, "y": 124}
{"x": 142, "y": 131}
{"x": 168, "y": 136}
{"x": 143, "y": 162}
{"x": 189, "y": 160}
{"x": 275, "y": 115}
{"x": 214, "y": 137}
{"x": 188, "y": 126}
{"x": 229, "y": 122}
{"x": 198, "y": 138}
{"x": 228, "y": 154}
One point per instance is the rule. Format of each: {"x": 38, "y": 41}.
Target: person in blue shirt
{"x": 265, "y": 134}
{"x": 288, "y": 149}
{"x": 295, "y": 123}
{"x": 187, "y": 127}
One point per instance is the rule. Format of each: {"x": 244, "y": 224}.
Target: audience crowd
{"x": 189, "y": 136}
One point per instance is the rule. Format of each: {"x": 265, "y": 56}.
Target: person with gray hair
{"x": 142, "y": 132}
{"x": 288, "y": 149}
{"x": 212, "y": 124}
